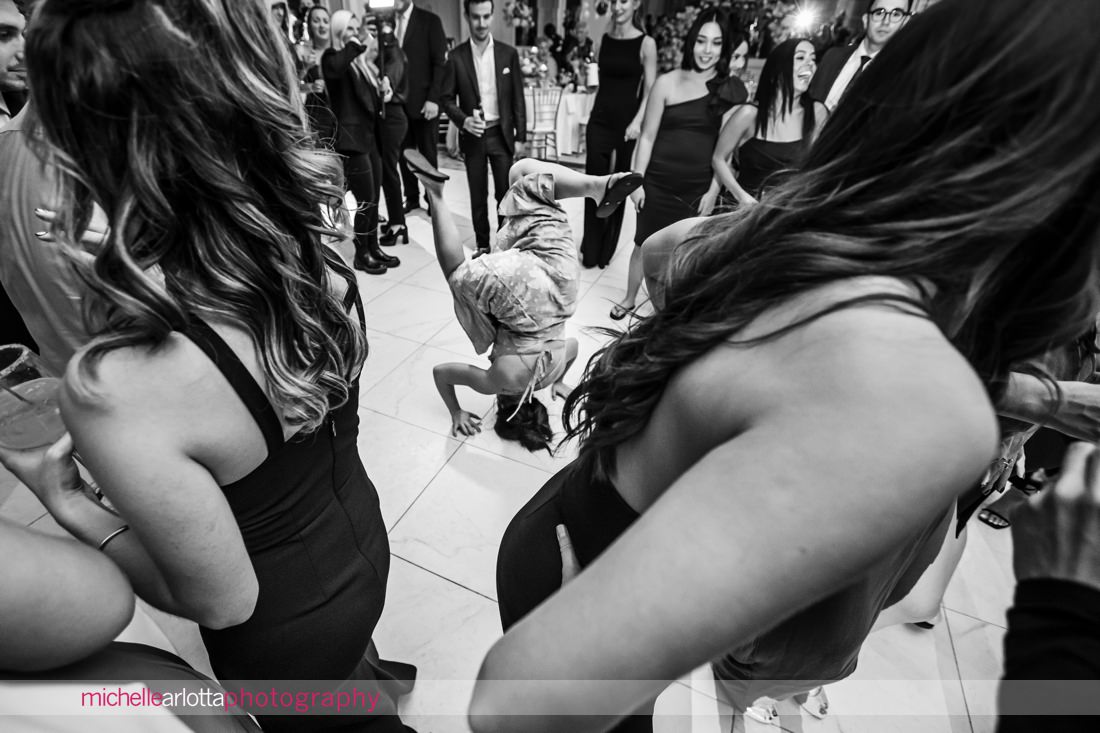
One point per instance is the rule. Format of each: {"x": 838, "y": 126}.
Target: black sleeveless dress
{"x": 679, "y": 170}
{"x": 311, "y": 523}
{"x": 761, "y": 161}
{"x": 616, "y": 104}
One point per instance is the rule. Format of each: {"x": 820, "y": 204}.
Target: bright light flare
{"x": 805, "y": 19}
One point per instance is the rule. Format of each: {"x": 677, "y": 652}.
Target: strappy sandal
{"x": 817, "y": 703}
{"x": 419, "y": 164}
{"x": 616, "y": 192}
{"x": 1028, "y": 485}
{"x": 618, "y": 312}
{"x": 763, "y": 710}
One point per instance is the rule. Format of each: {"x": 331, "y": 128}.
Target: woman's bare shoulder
{"x": 175, "y": 377}
{"x": 859, "y": 361}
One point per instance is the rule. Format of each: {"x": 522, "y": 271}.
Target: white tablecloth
{"x": 572, "y": 114}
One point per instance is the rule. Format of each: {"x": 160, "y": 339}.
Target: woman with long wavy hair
{"x": 773, "y": 134}
{"x": 773, "y": 458}
{"x": 217, "y": 404}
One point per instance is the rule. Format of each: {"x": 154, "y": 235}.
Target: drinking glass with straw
{"x": 30, "y": 416}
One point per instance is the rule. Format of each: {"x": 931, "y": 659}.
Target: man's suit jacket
{"x": 829, "y": 69}
{"x": 425, "y": 47}
{"x": 461, "y": 83}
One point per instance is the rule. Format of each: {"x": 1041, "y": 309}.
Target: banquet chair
{"x": 542, "y": 127}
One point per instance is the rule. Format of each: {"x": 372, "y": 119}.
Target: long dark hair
{"x": 777, "y": 85}
{"x": 182, "y": 120}
{"x": 528, "y": 423}
{"x": 708, "y": 15}
{"x": 964, "y": 160}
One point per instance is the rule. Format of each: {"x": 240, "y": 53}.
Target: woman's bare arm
{"x": 738, "y": 128}
{"x": 654, "y": 110}
{"x": 649, "y": 77}
{"x": 848, "y": 448}
{"x": 183, "y": 552}
{"x": 59, "y": 600}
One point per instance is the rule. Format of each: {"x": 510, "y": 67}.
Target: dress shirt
{"x": 402, "y": 22}
{"x": 486, "y": 70}
{"x": 848, "y": 73}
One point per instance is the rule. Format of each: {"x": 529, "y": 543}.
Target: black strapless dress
{"x": 762, "y": 163}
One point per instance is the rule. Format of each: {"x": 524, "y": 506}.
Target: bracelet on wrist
{"x": 111, "y": 536}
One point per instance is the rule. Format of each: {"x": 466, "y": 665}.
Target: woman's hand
{"x": 1057, "y": 532}
{"x": 638, "y": 197}
{"x": 50, "y": 472}
{"x": 569, "y": 565}
{"x": 708, "y": 202}
{"x": 465, "y": 423}
{"x": 95, "y": 235}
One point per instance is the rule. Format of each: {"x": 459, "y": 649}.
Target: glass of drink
{"x": 30, "y": 416}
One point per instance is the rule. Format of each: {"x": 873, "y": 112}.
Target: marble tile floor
{"x": 447, "y": 500}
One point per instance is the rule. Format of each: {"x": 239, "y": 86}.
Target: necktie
{"x": 863, "y": 61}
{"x": 401, "y": 29}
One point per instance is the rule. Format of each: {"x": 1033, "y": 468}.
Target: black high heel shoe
{"x": 390, "y": 237}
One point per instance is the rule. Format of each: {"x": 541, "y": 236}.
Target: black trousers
{"x": 361, "y": 171}
{"x": 601, "y": 236}
{"x": 490, "y": 148}
{"x": 424, "y": 136}
{"x": 394, "y": 128}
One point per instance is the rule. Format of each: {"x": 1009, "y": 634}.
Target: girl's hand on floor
{"x": 465, "y": 423}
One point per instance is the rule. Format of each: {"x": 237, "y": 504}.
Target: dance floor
{"x": 446, "y": 502}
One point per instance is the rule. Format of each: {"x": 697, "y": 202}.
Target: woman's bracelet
{"x": 111, "y": 536}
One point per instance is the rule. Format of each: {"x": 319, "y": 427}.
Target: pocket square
{"x": 506, "y": 70}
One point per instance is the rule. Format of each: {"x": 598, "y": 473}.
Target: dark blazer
{"x": 396, "y": 69}
{"x": 355, "y": 102}
{"x": 461, "y": 82}
{"x": 829, "y": 69}
{"x": 425, "y": 47}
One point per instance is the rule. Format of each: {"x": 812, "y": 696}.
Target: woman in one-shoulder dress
{"x": 682, "y": 119}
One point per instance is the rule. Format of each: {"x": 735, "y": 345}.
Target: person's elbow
{"x": 718, "y": 161}
{"x": 225, "y": 612}
{"x": 487, "y": 713}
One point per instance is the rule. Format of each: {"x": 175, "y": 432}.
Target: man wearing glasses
{"x": 840, "y": 66}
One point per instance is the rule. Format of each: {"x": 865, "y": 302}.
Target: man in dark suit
{"x": 420, "y": 34}
{"x": 840, "y": 66}
{"x": 484, "y": 97}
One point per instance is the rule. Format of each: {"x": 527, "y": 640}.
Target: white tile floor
{"x": 447, "y": 501}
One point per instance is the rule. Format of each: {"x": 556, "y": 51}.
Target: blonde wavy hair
{"x": 181, "y": 119}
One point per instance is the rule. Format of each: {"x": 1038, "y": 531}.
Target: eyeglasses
{"x": 896, "y": 15}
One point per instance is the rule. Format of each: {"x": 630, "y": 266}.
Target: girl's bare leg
{"x": 568, "y": 183}
{"x": 448, "y": 242}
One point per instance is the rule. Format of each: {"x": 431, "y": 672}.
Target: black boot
{"x": 386, "y": 260}
{"x": 366, "y": 262}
